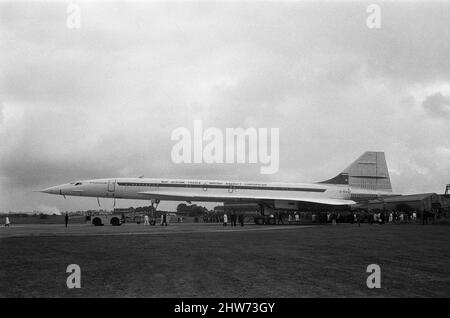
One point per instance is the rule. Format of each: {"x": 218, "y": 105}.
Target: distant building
{"x": 418, "y": 202}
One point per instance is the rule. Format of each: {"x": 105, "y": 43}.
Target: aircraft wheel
{"x": 115, "y": 222}
{"x": 97, "y": 222}
{"x": 259, "y": 220}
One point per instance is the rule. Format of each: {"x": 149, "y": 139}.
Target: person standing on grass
{"x": 233, "y": 218}
{"x": 424, "y": 217}
{"x": 66, "y": 219}
{"x": 225, "y": 219}
{"x": 164, "y": 219}
{"x": 280, "y": 218}
{"x": 333, "y": 218}
{"x": 241, "y": 219}
{"x": 7, "y": 223}
{"x": 146, "y": 222}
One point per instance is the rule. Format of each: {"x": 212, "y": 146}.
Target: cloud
{"x": 1, "y": 113}
{"x": 103, "y": 100}
{"x": 437, "y": 105}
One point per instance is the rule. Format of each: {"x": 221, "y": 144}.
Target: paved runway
{"x": 26, "y": 230}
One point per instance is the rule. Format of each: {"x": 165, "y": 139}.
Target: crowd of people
{"x": 381, "y": 217}
{"x": 333, "y": 217}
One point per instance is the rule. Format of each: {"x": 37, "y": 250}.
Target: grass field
{"x": 325, "y": 261}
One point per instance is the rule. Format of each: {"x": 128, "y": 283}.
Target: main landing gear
{"x": 263, "y": 218}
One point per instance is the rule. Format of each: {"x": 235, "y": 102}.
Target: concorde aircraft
{"x": 364, "y": 179}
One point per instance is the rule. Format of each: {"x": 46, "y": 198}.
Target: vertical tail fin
{"x": 369, "y": 172}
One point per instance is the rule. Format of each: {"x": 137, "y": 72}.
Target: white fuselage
{"x": 209, "y": 190}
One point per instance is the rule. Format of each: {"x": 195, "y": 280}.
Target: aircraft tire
{"x": 97, "y": 222}
{"x": 271, "y": 221}
{"x": 259, "y": 220}
{"x": 115, "y": 222}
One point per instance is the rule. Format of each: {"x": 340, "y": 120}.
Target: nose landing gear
{"x": 153, "y": 203}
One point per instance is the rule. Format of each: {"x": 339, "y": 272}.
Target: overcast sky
{"x": 103, "y": 100}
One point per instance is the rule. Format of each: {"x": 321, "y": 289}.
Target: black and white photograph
{"x": 224, "y": 156}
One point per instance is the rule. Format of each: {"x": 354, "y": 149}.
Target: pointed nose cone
{"x": 51, "y": 190}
